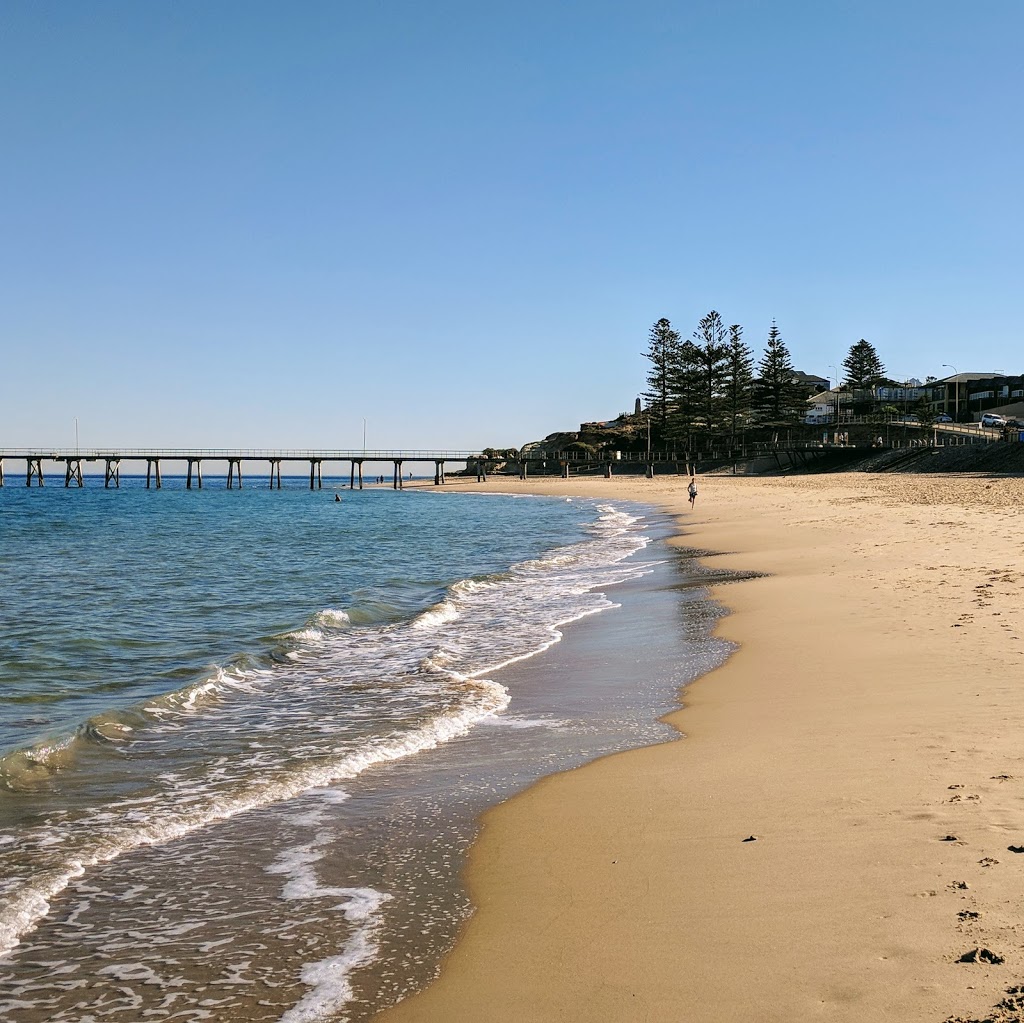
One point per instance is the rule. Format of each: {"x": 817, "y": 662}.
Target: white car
{"x": 991, "y": 419}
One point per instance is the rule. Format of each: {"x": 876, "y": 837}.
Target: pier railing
{"x": 94, "y": 454}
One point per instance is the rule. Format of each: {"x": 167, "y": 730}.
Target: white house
{"x": 821, "y": 408}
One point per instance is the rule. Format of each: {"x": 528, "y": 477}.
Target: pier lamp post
{"x": 956, "y": 385}
{"x": 364, "y": 436}
{"x": 78, "y": 449}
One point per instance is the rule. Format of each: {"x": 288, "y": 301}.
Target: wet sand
{"x": 868, "y": 733}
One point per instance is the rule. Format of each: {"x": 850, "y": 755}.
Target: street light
{"x": 836, "y": 368}
{"x": 364, "y": 436}
{"x": 956, "y": 384}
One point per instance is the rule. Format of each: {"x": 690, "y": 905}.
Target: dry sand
{"x": 869, "y": 731}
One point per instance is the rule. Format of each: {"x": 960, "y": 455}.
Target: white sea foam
{"x": 441, "y": 614}
{"x": 194, "y": 697}
{"x": 195, "y": 808}
{"x": 308, "y": 634}
{"x": 333, "y": 616}
{"x": 319, "y": 626}
{"x": 511, "y": 721}
{"x": 335, "y": 796}
{"x": 329, "y": 978}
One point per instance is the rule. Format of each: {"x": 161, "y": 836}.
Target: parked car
{"x": 991, "y": 419}
{"x": 943, "y": 418}
{"x": 1015, "y": 424}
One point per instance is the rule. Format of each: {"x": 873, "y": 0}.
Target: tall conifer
{"x": 662, "y": 350}
{"x": 711, "y": 366}
{"x": 738, "y": 381}
{"x": 777, "y": 397}
{"x": 863, "y": 366}
{"x": 685, "y": 387}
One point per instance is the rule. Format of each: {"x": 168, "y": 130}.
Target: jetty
{"x": 191, "y": 460}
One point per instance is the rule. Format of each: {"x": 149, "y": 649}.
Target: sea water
{"x": 245, "y": 735}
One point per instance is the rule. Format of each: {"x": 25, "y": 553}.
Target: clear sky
{"x": 258, "y": 224}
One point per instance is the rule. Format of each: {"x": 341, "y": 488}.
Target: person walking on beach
{"x": 692, "y": 490}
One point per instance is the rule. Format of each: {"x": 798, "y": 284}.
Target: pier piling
{"x": 191, "y": 461}
{"x": 72, "y": 471}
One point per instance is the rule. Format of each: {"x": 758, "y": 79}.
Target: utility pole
{"x": 956, "y": 384}
{"x": 836, "y": 368}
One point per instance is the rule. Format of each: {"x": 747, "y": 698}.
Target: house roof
{"x": 966, "y": 378}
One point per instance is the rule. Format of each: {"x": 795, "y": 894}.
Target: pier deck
{"x": 193, "y": 458}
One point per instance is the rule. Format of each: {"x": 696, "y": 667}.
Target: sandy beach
{"x": 867, "y": 733}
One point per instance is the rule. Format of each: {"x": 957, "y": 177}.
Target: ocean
{"x": 246, "y": 735}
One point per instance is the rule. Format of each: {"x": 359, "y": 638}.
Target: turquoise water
{"x": 112, "y": 596}
{"x": 245, "y": 735}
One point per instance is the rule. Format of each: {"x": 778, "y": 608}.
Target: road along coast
{"x": 840, "y": 834}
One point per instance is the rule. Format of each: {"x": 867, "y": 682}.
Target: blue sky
{"x": 258, "y": 224}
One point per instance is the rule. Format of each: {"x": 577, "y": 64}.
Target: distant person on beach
{"x": 692, "y": 490}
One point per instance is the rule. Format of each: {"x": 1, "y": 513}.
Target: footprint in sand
{"x": 981, "y": 955}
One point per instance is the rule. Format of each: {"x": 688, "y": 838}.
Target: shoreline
{"x": 877, "y": 775}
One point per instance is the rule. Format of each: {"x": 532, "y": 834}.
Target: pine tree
{"x": 663, "y": 343}
{"x": 710, "y": 356}
{"x": 684, "y": 388}
{"x": 738, "y": 381}
{"x": 863, "y": 366}
{"x": 777, "y": 398}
